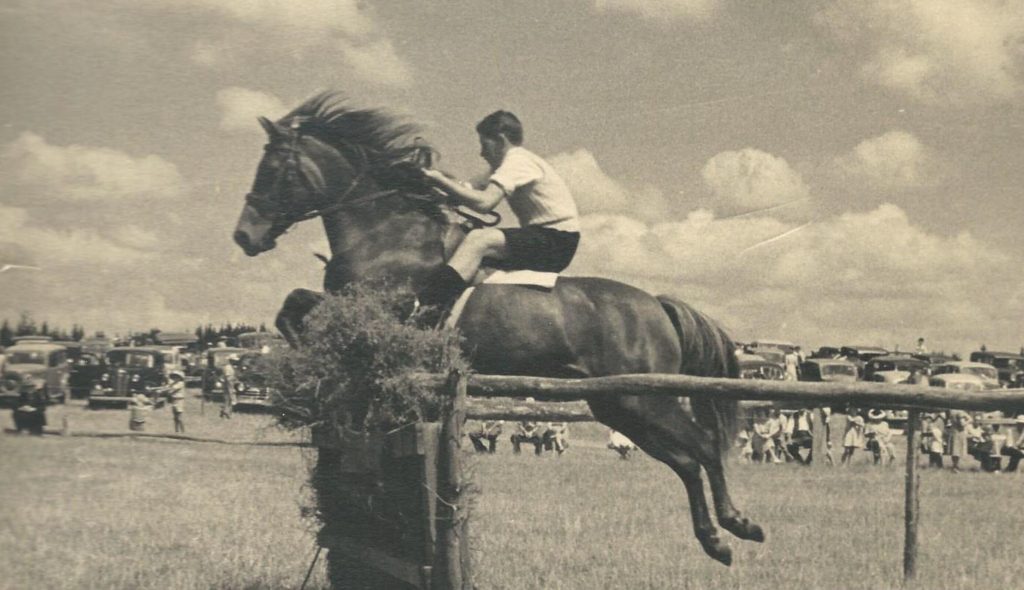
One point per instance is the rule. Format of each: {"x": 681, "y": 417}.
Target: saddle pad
{"x": 533, "y": 278}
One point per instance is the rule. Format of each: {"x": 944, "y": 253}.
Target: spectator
{"x": 556, "y": 437}
{"x": 621, "y": 444}
{"x": 958, "y": 432}
{"x": 802, "y": 437}
{"x": 932, "y": 437}
{"x": 791, "y": 360}
{"x": 1015, "y": 450}
{"x": 780, "y": 436}
{"x": 528, "y": 432}
{"x": 30, "y": 413}
{"x": 744, "y": 443}
{"x": 879, "y": 438}
{"x": 762, "y": 441}
{"x": 228, "y": 379}
{"x": 176, "y": 391}
{"x": 139, "y": 408}
{"x": 921, "y": 348}
{"x": 488, "y": 431}
{"x": 853, "y": 439}
{"x": 995, "y": 454}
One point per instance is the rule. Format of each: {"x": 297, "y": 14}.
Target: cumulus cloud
{"x": 752, "y": 179}
{"x": 345, "y": 27}
{"x": 31, "y": 169}
{"x": 893, "y": 160}
{"x": 240, "y": 107}
{"x": 596, "y": 192}
{"x": 935, "y": 50}
{"x": 661, "y": 9}
{"x": 871, "y": 277}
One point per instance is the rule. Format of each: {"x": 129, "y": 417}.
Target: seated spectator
{"x": 139, "y": 409}
{"x": 745, "y": 446}
{"x": 528, "y": 432}
{"x": 802, "y": 437}
{"x": 556, "y": 437}
{"x": 762, "y": 441}
{"x": 995, "y": 454}
{"x": 878, "y": 438}
{"x": 30, "y": 413}
{"x": 620, "y": 443}
{"x": 488, "y": 431}
{"x": 1015, "y": 449}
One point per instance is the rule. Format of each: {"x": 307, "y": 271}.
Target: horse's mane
{"x": 366, "y": 137}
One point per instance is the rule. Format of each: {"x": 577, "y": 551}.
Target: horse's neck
{"x": 370, "y": 243}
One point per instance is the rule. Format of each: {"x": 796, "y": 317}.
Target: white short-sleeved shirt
{"x": 537, "y": 194}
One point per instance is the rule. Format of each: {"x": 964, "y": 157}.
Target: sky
{"x": 824, "y": 172}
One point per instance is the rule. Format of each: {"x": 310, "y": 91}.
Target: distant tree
{"x": 44, "y": 330}
{"x": 6, "y": 334}
{"x": 26, "y": 325}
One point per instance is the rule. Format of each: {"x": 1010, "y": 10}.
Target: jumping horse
{"x": 348, "y": 167}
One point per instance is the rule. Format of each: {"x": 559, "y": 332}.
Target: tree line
{"x": 26, "y": 325}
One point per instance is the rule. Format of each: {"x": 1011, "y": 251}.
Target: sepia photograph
{"x": 462, "y": 294}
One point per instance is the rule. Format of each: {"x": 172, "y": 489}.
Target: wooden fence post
{"x": 819, "y": 442}
{"x": 911, "y": 500}
{"x": 452, "y": 570}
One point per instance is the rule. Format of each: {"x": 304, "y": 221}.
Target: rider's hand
{"x": 436, "y": 176}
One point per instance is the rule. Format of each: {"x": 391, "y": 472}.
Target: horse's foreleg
{"x": 289, "y": 320}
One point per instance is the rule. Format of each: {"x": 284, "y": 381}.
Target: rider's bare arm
{"x": 478, "y": 200}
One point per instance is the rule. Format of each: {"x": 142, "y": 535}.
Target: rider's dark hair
{"x": 501, "y": 123}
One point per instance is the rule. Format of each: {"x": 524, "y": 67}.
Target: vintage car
{"x": 987, "y": 373}
{"x": 86, "y": 371}
{"x": 1009, "y": 365}
{"x": 826, "y": 352}
{"x": 38, "y": 361}
{"x": 130, "y": 370}
{"x": 753, "y": 366}
{"x": 262, "y": 341}
{"x": 757, "y": 345}
{"x": 216, "y": 358}
{"x": 892, "y": 368}
{"x": 964, "y": 381}
{"x": 251, "y": 387}
{"x": 860, "y": 355}
{"x": 828, "y": 370}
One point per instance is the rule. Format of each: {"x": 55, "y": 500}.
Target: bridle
{"x": 281, "y": 213}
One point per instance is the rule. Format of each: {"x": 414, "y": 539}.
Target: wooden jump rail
{"x": 449, "y": 563}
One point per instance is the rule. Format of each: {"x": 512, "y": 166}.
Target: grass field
{"x": 137, "y": 513}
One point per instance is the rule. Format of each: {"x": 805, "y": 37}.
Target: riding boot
{"x": 443, "y": 287}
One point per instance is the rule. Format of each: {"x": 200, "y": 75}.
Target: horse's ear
{"x": 273, "y": 129}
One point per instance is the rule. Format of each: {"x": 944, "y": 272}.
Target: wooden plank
{"x": 449, "y": 563}
{"x": 862, "y": 393}
{"x": 911, "y": 500}
{"x": 483, "y": 408}
{"x": 430, "y": 437}
{"x": 400, "y": 569}
{"x": 819, "y": 442}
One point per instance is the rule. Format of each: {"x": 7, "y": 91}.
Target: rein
{"x": 269, "y": 206}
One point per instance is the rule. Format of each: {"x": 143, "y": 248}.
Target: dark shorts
{"x": 537, "y": 248}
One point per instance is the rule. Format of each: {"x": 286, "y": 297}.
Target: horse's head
{"x": 290, "y": 185}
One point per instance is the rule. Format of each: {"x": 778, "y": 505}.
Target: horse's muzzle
{"x": 254, "y": 234}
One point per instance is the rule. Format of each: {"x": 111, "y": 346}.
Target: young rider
{"x": 549, "y": 222}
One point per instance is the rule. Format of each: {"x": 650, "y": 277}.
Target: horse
{"x": 349, "y": 167}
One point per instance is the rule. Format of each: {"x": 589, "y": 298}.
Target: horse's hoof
{"x": 718, "y": 551}
{"x": 744, "y": 529}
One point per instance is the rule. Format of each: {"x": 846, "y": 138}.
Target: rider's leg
{"x": 446, "y": 283}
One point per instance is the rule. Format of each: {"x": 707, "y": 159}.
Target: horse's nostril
{"x": 242, "y": 239}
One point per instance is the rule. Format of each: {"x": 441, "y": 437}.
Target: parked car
{"x": 35, "y": 360}
{"x": 860, "y": 355}
{"x": 753, "y": 366}
{"x": 260, "y": 340}
{"x": 828, "y": 370}
{"x": 964, "y": 381}
{"x": 987, "y": 373}
{"x": 216, "y": 358}
{"x": 1009, "y": 365}
{"x": 130, "y": 370}
{"x": 892, "y": 368}
{"x": 782, "y": 345}
{"x": 826, "y": 352}
{"x": 251, "y": 386}
{"x": 86, "y": 371}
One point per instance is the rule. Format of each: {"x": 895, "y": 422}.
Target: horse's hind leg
{"x": 729, "y": 518}
{"x": 665, "y": 449}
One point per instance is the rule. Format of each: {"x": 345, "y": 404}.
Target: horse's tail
{"x": 707, "y": 351}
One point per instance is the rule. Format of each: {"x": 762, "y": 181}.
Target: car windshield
{"x": 140, "y": 360}
{"x": 839, "y": 370}
{"x": 26, "y": 358}
{"x": 986, "y": 372}
{"x": 1006, "y": 363}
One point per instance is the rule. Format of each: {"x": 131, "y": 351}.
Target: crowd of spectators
{"x": 544, "y": 436}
